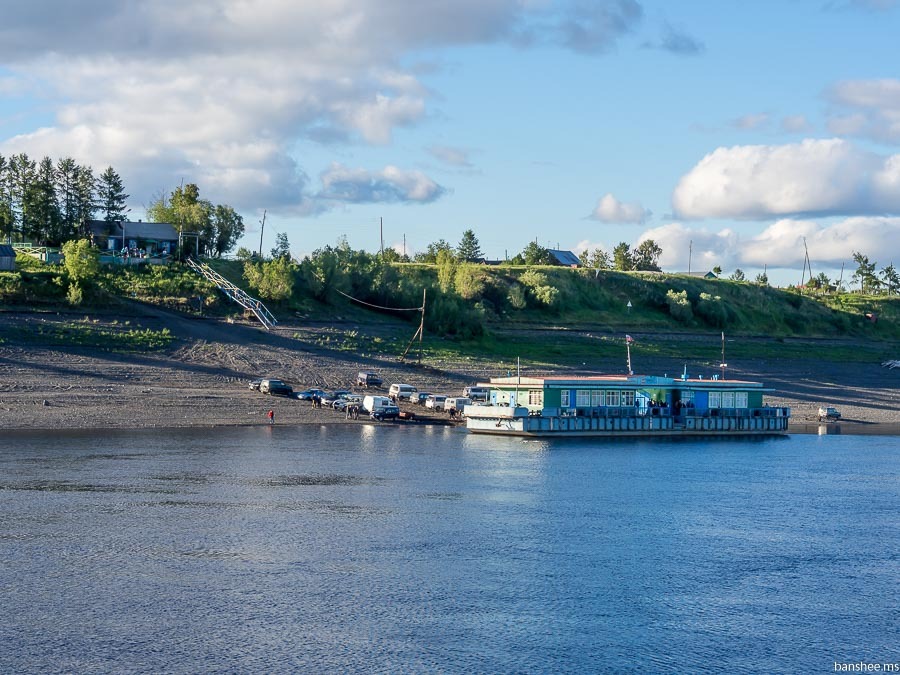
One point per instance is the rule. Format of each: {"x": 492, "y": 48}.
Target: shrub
{"x": 679, "y": 306}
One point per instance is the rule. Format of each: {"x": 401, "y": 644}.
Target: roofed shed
{"x": 7, "y": 258}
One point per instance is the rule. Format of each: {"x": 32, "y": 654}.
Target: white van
{"x": 380, "y": 407}
{"x": 456, "y": 404}
{"x": 400, "y": 392}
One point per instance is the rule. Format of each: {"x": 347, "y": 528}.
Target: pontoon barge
{"x": 625, "y": 405}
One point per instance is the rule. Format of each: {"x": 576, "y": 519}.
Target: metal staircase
{"x": 236, "y": 294}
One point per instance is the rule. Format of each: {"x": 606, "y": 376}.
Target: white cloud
{"x": 611, "y": 210}
{"x": 795, "y": 124}
{"x": 360, "y": 186}
{"x": 869, "y": 108}
{"x": 223, "y": 90}
{"x": 814, "y": 177}
{"x": 780, "y": 245}
{"x": 751, "y": 122}
{"x": 457, "y": 157}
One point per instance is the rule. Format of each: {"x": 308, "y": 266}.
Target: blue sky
{"x": 729, "y": 129}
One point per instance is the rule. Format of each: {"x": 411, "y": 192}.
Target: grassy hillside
{"x": 468, "y": 306}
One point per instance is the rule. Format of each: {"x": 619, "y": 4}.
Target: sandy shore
{"x": 202, "y": 381}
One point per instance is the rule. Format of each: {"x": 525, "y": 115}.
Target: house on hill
{"x": 699, "y": 275}
{"x": 155, "y": 239}
{"x": 564, "y": 258}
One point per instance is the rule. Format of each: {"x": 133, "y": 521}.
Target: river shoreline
{"x": 201, "y": 381}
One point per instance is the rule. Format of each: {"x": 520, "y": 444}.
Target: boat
{"x": 625, "y": 405}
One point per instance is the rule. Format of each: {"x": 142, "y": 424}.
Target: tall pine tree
{"x": 111, "y": 196}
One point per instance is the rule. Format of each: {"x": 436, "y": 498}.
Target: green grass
{"x": 88, "y": 333}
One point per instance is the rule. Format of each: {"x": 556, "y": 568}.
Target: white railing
{"x": 236, "y": 294}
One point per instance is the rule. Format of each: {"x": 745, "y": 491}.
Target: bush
{"x": 679, "y": 306}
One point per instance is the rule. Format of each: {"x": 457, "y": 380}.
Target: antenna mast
{"x": 261, "y": 230}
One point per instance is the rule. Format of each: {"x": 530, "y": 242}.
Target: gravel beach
{"x": 202, "y": 380}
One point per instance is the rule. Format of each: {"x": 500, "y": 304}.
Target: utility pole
{"x": 404, "y": 245}
{"x": 261, "y": 230}
{"x": 690, "y": 254}
{"x": 381, "y": 222}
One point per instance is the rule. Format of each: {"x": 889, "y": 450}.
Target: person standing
{"x": 271, "y": 416}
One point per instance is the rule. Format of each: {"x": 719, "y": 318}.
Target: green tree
{"x": 85, "y": 197}
{"x": 111, "y": 196}
{"x": 737, "y": 275}
{"x": 865, "y": 273}
{"x": 891, "y": 279}
{"x": 6, "y": 215}
{"x": 469, "y": 281}
{"x": 430, "y": 254}
{"x": 646, "y": 256}
{"x": 228, "y": 228}
{"x": 282, "y": 247}
{"x": 272, "y": 279}
{"x": 717, "y": 270}
{"x": 446, "y": 264}
{"x": 21, "y": 176}
{"x": 81, "y": 260}
{"x": 596, "y": 259}
{"x": 67, "y": 193}
{"x": 45, "y": 220}
{"x": 535, "y": 254}
{"x": 622, "y": 259}
{"x": 762, "y": 279}
{"x": 468, "y": 249}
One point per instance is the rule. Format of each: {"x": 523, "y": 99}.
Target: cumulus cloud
{"x": 868, "y": 108}
{"x": 611, "y": 210}
{"x": 225, "y": 89}
{"x": 361, "y": 186}
{"x": 780, "y": 245}
{"x": 814, "y": 177}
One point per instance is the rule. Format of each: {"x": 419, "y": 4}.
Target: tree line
{"x": 48, "y": 203}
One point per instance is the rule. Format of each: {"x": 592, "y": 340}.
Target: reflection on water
{"x": 384, "y": 548}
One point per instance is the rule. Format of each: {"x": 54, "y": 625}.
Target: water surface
{"x": 385, "y": 549}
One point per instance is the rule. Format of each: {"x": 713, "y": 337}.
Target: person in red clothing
{"x": 271, "y": 416}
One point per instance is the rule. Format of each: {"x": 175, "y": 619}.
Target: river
{"x": 359, "y": 548}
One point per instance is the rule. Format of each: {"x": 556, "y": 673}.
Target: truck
{"x": 380, "y": 408}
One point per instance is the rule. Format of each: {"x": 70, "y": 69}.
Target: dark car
{"x": 275, "y": 387}
{"x": 367, "y": 379}
{"x": 309, "y": 393}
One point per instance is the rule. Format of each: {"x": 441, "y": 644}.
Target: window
{"x": 727, "y": 399}
{"x": 740, "y": 399}
{"x": 583, "y": 398}
{"x": 564, "y": 398}
{"x": 715, "y": 399}
{"x": 627, "y": 398}
{"x": 687, "y": 397}
{"x": 612, "y": 398}
{"x": 535, "y": 397}
{"x": 597, "y": 397}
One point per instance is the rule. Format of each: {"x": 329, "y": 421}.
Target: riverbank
{"x": 201, "y": 381}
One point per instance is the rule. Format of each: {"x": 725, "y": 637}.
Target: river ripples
{"x": 387, "y": 549}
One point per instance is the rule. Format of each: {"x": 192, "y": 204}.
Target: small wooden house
{"x": 7, "y": 258}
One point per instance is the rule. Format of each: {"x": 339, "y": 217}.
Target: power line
{"x": 390, "y": 309}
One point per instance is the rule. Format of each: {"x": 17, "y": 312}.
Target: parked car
{"x": 342, "y": 403}
{"x": 309, "y": 393}
{"x": 329, "y": 399}
{"x": 477, "y": 393}
{"x": 829, "y": 414}
{"x": 380, "y": 408}
{"x": 456, "y": 404}
{"x": 368, "y": 379}
{"x": 254, "y": 384}
{"x": 435, "y": 402}
{"x": 275, "y": 387}
{"x": 401, "y": 392}
{"x": 419, "y": 397}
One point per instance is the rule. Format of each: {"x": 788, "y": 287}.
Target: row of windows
{"x": 728, "y": 399}
{"x": 592, "y": 398}
{"x": 587, "y": 398}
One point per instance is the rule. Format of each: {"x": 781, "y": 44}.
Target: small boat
{"x": 625, "y": 405}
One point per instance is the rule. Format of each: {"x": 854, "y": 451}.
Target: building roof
{"x": 565, "y": 258}
{"x": 134, "y": 230}
{"x": 621, "y": 380}
{"x": 7, "y": 251}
